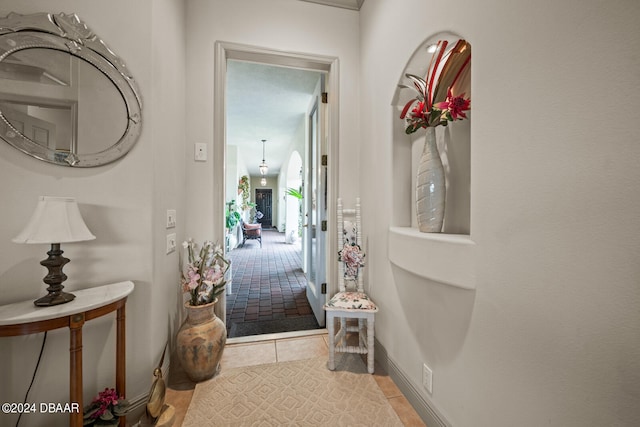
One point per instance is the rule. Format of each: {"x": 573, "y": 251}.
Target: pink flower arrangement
{"x": 439, "y": 99}
{"x": 204, "y": 278}
{"x": 105, "y": 408}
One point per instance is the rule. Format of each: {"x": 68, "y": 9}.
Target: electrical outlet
{"x": 171, "y": 243}
{"x": 427, "y": 378}
{"x": 171, "y": 218}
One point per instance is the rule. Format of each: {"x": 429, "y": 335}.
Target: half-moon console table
{"x": 24, "y": 318}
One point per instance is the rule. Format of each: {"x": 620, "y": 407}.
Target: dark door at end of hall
{"x": 263, "y": 204}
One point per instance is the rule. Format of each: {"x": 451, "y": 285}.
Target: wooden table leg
{"x": 75, "y": 367}
{"x": 121, "y": 380}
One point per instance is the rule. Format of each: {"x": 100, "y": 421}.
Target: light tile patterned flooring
{"x": 281, "y": 348}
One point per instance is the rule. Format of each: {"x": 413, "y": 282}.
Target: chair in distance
{"x": 351, "y": 303}
{"x": 251, "y": 232}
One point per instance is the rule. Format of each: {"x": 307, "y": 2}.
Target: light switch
{"x": 200, "y": 152}
{"x": 171, "y": 218}
{"x": 171, "y": 243}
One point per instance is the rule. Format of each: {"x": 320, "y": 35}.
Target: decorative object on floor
{"x": 40, "y": 50}
{"x": 298, "y": 393}
{"x": 348, "y": 303}
{"x": 440, "y": 99}
{"x": 55, "y": 220}
{"x": 158, "y": 390}
{"x": 200, "y": 342}
{"x": 202, "y": 337}
{"x": 105, "y": 409}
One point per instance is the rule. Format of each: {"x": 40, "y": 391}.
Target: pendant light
{"x": 263, "y": 166}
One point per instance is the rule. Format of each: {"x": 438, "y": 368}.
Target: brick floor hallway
{"x": 268, "y": 292}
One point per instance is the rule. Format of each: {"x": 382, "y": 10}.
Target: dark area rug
{"x": 301, "y": 323}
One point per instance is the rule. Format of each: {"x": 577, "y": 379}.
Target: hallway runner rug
{"x": 299, "y": 393}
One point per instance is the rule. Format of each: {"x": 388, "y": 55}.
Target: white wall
{"x": 287, "y": 25}
{"x": 288, "y": 175}
{"x": 551, "y": 334}
{"x": 123, "y": 204}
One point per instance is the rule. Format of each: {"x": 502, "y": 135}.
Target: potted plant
{"x": 232, "y": 217}
{"x": 296, "y": 193}
{"x": 105, "y": 409}
{"x": 243, "y": 189}
{"x": 202, "y": 337}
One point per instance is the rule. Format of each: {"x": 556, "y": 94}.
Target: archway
{"x": 293, "y": 207}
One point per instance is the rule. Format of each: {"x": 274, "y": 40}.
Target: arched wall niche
{"x": 446, "y": 257}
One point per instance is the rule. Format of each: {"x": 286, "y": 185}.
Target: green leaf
{"x": 294, "y": 193}
{"x": 106, "y": 415}
{"x": 121, "y": 408}
{"x": 89, "y": 410}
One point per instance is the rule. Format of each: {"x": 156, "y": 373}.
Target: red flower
{"x": 454, "y": 105}
{"x": 418, "y": 111}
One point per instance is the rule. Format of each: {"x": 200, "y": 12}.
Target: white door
{"x": 37, "y": 130}
{"x": 316, "y": 205}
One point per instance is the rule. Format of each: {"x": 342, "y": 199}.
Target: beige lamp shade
{"x": 55, "y": 220}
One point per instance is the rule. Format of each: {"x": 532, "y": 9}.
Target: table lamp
{"x": 56, "y": 220}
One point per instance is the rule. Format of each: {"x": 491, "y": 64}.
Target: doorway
{"x": 264, "y": 201}
{"x": 328, "y": 145}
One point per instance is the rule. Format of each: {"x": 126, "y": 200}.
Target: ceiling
{"x": 266, "y": 102}
{"x": 346, "y": 4}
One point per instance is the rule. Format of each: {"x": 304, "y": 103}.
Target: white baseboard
{"x": 424, "y": 408}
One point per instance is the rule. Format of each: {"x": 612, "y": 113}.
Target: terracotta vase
{"x": 430, "y": 187}
{"x": 200, "y": 342}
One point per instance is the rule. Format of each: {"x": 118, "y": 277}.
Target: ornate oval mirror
{"x": 65, "y": 97}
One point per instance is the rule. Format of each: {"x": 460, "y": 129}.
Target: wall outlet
{"x": 171, "y": 218}
{"x": 427, "y": 378}
{"x": 171, "y": 243}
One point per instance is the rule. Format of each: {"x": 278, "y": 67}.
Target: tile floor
{"x": 267, "y": 285}
{"x": 275, "y": 348}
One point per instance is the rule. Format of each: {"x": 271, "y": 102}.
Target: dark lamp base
{"x": 54, "y": 279}
{"x": 54, "y": 299}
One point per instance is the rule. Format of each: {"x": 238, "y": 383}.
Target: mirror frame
{"x": 68, "y": 34}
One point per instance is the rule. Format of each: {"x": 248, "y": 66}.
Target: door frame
{"x": 329, "y": 64}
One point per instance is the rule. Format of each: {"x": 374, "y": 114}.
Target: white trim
{"x": 425, "y": 408}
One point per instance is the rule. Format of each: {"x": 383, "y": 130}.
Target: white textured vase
{"x": 430, "y": 187}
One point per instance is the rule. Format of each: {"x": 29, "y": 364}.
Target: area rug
{"x": 300, "y": 323}
{"x": 299, "y": 393}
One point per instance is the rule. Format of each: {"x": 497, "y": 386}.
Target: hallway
{"x": 267, "y": 292}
